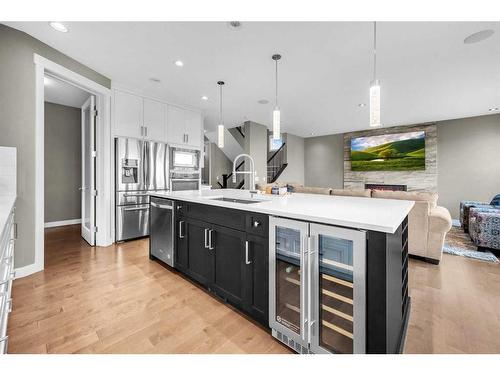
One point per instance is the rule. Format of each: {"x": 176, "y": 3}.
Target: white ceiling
{"x": 426, "y": 71}
{"x": 60, "y": 92}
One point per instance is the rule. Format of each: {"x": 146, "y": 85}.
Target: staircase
{"x": 232, "y": 146}
{"x": 276, "y": 164}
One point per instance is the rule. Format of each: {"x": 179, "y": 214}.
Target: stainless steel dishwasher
{"x": 161, "y": 233}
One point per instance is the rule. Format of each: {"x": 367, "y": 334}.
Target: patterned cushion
{"x": 484, "y": 227}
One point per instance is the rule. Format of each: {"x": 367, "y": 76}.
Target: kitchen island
{"x": 327, "y": 274}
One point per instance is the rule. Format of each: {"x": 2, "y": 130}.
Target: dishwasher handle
{"x": 162, "y": 206}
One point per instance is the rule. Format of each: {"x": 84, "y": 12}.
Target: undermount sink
{"x": 235, "y": 200}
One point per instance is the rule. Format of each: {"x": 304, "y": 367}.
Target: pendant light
{"x": 220, "y": 127}
{"x": 276, "y": 112}
{"x": 375, "y": 85}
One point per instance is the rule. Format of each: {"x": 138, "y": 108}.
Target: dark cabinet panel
{"x": 181, "y": 245}
{"x": 229, "y": 263}
{"x": 257, "y": 278}
{"x": 200, "y": 260}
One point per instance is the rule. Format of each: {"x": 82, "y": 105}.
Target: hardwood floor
{"x": 115, "y": 300}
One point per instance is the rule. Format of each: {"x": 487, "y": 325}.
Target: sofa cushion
{"x": 352, "y": 193}
{"x": 311, "y": 190}
{"x": 416, "y": 196}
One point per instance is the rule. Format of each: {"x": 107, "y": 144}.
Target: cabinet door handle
{"x": 246, "y": 253}
{"x": 142, "y": 130}
{"x": 206, "y": 238}
{"x": 181, "y": 235}
{"x": 187, "y": 138}
{"x": 210, "y": 245}
{"x": 146, "y": 131}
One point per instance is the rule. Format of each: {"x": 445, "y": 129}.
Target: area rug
{"x": 459, "y": 243}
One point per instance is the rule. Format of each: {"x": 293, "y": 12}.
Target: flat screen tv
{"x": 389, "y": 152}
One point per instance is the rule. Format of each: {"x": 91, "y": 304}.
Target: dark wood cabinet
{"x": 200, "y": 256}
{"x": 180, "y": 245}
{"x": 229, "y": 264}
{"x": 256, "y": 301}
{"x": 213, "y": 252}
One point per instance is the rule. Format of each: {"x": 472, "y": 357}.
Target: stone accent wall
{"x": 425, "y": 180}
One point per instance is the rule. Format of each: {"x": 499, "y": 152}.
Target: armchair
{"x": 465, "y": 207}
{"x": 484, "y": 227}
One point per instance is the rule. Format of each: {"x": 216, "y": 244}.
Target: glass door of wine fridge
{"x": 287, "y": 280}
{"x": 336, "y": 283}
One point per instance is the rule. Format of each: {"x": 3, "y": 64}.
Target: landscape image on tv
{"x": 389, "y": 152}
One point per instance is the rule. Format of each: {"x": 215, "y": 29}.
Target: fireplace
{"x": 390, "y": 187}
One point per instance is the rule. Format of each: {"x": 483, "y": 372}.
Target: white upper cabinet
{"x": 128, "y": 115}
{"x": 184, "y": 127}
{"x": 154, "y": 120}
{"x": 193, "y": 129}
{"x": 138, "y": 117}
{"x": 176, "y": 125}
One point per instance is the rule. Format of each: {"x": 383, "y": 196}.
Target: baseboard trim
{"x": 28, "y": 270}
{"x": 62, "y": 223}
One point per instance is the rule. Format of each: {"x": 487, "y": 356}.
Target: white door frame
{"x": 104, "y": 199}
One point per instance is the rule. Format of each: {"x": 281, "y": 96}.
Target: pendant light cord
{"x": 374, "y": 50}
{"x": 220, "y": 106}
{"x": 276, "y": 99}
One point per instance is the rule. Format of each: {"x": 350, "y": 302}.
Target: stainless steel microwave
{"x": 184, "y": 159}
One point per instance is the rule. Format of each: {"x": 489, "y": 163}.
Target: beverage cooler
{"x": 317, "y": 288}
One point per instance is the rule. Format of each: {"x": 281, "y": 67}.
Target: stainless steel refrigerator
{"x": 140, "y": 167}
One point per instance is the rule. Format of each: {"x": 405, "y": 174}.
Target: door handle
{"x": 246, "y": 253}
{"x": 210, "y": 245}
{"x": 206, "y": 237}
{"x": 181, "y": 235}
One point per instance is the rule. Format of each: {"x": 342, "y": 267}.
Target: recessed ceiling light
{"x": 58, "y": 26}
{"x": 361, "y": 105}
{"x": 479, "y": 36}
{"x": 263, "y": 101}
{"x": 155, "y": 80}
{"x": 493, "y": 109}
{"x": 46, "y": 81}
{"x": 178, "y": 63}
{"x": 311, "y": 133}
{"x": 204, "y": 97}
{"x": 234, "y": 25}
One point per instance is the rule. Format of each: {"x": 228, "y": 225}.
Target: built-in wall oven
{"x": 184, "y": 169}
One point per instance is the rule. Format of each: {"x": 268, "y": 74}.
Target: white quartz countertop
{"x": 382, "y": 215}
{"x": 6, "y": 205}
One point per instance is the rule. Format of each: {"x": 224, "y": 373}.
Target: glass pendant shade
{"x": 276, "y": 124}
{"x": 375, "y": 103}
{"x": 220, "y": 136}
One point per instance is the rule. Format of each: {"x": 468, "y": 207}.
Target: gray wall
{"x": 256, "y": 147}
{"x": 294, "y": 172}
{"x": 63, "y": 162}
{"x": 219, "y": 165}
{"x": 324, "y": 161}
{"x": 17, "y": 121}
{"x": 468, "y": 160}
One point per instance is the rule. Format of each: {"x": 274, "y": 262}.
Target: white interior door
{"x": 88, "y": 171}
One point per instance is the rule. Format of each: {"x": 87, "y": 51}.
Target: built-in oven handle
{"x": 135, "y": 195}
{"x": 136, "y": 208}
{"x": 184, "y": 179}
{"x": 163, "y": 206}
